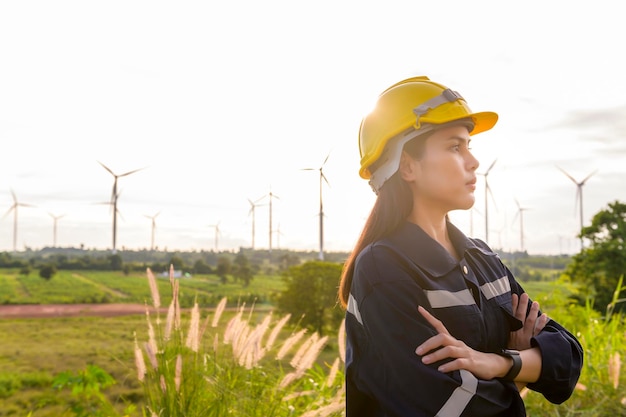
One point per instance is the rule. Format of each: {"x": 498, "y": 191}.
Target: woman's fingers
{"x": 437, "y": 324}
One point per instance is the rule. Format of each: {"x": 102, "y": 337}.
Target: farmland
{"x": 35, "y": 351}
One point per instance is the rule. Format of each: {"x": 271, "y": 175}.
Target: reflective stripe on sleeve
{"x": 460, "y": 397}
{"x": 353, "y": 308}
{"x": 443, "y": 298}
{"x": 496, "y": 288}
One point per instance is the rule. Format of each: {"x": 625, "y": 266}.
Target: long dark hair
{"x": 391, "y": 208}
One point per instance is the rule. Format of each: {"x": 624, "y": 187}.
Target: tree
{"x": 47, "y": 271}
{"x": 116, "y": 262}
{"x": 201, "y": 267}
{"x": 177, "y": 262}
{"x": 311, "y": 293}
{"x": 242, "y": 270}
{"x": 223, "y": 268}
{"x": 600, "y": 265}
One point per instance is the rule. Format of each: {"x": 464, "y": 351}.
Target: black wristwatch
{"x": 517, "y": 363}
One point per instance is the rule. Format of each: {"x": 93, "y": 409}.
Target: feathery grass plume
{"x": 221, "y": 306}
{"x": 327, "y": 410}
{"x": 151, "y": 336}
{"x": 151, "y": 355}
{"x": 341, "y": 339}
{"x": 276, "y": 331}
{"x": 169, "y": 321}
{"x": 336, "y": 405}
{"x": 171, "y": 274}
{"x": 580, "y": 387}
{"x": 162, "y": 383}
{"x": 289, "y": 343}
{"x": 308, "y": 359}
{"x": 178, "y": 373}
{"x": 615, "y": 364}
{"x": 332, "y": 374}
{"x": 302, "y": 349}
{"x": 139, "y": 361}
{"x": 193, "y": 341}
{"x": 299, "y": 394}
{"x": 176, "y": 306}
{"x": 251, "y": 347}
{"x": 154, "y": 289}
{"x": 288, "y": 379}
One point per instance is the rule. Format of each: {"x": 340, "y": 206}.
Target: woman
{"x": 436, "y": 324}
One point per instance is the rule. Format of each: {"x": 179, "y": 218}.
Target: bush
{"x": 47, "y": 271}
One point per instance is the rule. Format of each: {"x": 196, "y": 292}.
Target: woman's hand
{"x": 533, "y": 323}
{"x": 443, "y": 346}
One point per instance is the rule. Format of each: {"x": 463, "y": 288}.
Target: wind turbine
{"x": 114, "y": 196}
{"x": 252, "y": 212}
{"x": 217, "y": 233}
{"x": 487, "y": 193}
{"x": 579, "y": 196}
{"x": 13, "y": 209}
{"x": 520, "y": 212}
{"x": 321, "y": 213}
{"x": 271, "y": 196}
{"x": 153, "y": 219}
{"x": 278, "y": 234}
{"x": 54, "y": 227}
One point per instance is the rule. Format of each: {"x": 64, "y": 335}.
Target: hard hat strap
{"x": 446, "y": 96}
{"x": 389, "y": 160}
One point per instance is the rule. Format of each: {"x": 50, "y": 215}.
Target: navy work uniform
{"x": 472, "y": 297}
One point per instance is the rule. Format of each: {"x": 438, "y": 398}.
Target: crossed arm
{"x": 489, "y": 365}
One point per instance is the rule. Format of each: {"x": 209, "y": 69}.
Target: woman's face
{"x": 444, "y": 178}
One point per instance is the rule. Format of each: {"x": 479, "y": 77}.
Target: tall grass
{"x": 254, "y": 368}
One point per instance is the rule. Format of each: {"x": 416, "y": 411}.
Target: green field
{"x": 76, "y": 287}
{"x": 34, "y": 351}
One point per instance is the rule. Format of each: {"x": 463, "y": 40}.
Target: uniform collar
{"x": 426, "y": 252}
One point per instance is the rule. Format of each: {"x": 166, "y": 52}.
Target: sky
{"x": 217, "y": 104}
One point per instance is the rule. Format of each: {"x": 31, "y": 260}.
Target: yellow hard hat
{"x": 408, "y": 109}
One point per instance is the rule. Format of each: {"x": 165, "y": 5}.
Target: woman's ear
{"x": 407, "y": 167}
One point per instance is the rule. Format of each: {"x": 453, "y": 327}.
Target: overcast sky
{"x": 217, "y": 103}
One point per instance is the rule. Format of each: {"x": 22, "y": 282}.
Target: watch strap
{"x": 517, "y": 364}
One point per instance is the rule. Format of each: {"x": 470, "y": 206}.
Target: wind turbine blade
{"x": 107, "y": 168}
{"x": 490, "y": 166}
{"x": 324, "y": 163}
{"x": 568, "y": 175}
{"x": 130, "y": 172}
{"x": 324, "y": 177}
{"x": 587, "y": 177}
{"x": 9, "y": 211}
{"x": 14, "y": 197}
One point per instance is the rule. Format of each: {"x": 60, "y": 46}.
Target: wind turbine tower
{"x": 13, "y": 209}
{"x": 271, "y": 196}
{"x": 321, "y": 213}
{"x": 217, "y": 233}
{"x": 54, "y": 228}
{"x": 153, "y": 228}
{"x": 114, "y": 196}
{"x": 520, "y": 213}
{"x": 252, "y": 212}
{"x": 579, "y": 197}
{"x": 487, "y": 193}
